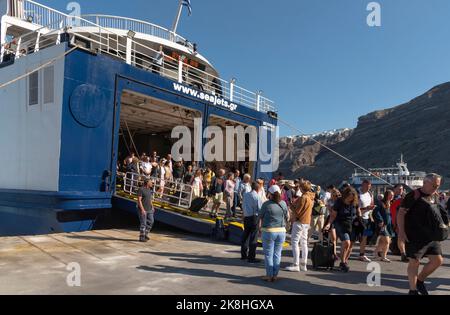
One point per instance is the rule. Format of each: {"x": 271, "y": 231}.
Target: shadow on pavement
{"x": 290, "y": 286}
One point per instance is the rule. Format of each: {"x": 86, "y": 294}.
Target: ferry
{"x": 386, "y": 178}
{"x": 76, "y": 91}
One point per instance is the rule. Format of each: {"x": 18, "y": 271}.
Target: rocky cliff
{"x": 420, "y": 129}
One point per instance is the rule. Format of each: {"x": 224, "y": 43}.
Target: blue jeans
{"x": 273, "y": 246}
{"x": 146, "y": 223}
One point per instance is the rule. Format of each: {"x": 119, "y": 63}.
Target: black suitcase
{"x": 198, "y": 204}
{"x": 322, "y": 255}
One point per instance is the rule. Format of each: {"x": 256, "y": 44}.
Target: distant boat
{"x": 379, "y": 177}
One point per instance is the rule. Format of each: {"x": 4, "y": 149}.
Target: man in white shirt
{"x": 146, "y": 166}
{"x": 327, "y": 195}
{"x": 366, "y": 204}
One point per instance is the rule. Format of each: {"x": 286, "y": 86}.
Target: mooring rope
{"x": 333, "y": 151}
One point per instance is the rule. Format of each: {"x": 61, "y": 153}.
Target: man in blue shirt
{"x": 251, "y": 206}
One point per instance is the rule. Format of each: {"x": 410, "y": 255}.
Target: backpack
{"x": 317, "y": 208}
{"x": 436, "y": 226}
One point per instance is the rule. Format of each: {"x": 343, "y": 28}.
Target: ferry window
{"x": 33, "y": 89}
{"x": 49, "y": 90}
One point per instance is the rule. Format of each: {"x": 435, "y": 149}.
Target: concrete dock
{"x": 173, "y": 263}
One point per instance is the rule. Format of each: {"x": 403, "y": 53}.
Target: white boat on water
{"x": 380, "y": 177}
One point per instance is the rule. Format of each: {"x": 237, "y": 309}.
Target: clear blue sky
{"x": 317, "y": 59}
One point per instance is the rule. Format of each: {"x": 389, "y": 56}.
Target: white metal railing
{"x": 105, "y": 40}
{"x": 174, "y": 193}
{"x": 138, "y": 26}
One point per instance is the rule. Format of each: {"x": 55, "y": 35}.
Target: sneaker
{"x": 344, "y": 267}
{"x": 303, "y": 268}
{"x": 413, "y": 292}
{"x": 386, "y": 260}
{"x": 254, "y": 261}
{"x": 405, "y": 259}
{"x": 147, "y": 238}
{"x": 293, "y": 268}
{"x": 364, "y": 259}
{"x": 143, "y": 240}
{"x": 421, "y": 288}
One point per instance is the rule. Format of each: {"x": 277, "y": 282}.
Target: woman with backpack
{"x": 383, "y": 220}
{"x": 272, "y": 222}
{"x": 318, "y": 216}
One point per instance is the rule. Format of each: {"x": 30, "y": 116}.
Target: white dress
{"x": 196, "y": 187}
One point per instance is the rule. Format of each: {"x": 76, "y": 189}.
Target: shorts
{"x": 368, "y": 228}
{"x": 343, "y": 233}
{"x": 218, "y": 198}
{"x": 418, "y": 251}
{"x": 387, "y": 231}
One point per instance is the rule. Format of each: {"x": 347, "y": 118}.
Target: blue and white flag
{"x": 187, "y": 3}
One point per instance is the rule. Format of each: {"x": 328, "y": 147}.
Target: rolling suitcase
{"x": 322, "y": 255}
{"x": 198, "y": 204}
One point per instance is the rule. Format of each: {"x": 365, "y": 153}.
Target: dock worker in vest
{"x": 146, "y": 209}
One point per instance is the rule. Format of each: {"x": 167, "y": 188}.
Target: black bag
{"x": 317, "y": 209}
{"x": 219, "y": 233}
{"x": 436, "y": 226}
{"x": 198, "y": 204}
{"x": 322, "y": 255}
{"x": 357, "y": 227}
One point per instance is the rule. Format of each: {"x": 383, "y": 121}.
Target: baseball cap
{"x": 274, "y": 189}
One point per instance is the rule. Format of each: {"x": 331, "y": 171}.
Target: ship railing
{"x": 174, "y": 193}
{"x": 138, "y": 26}
{"x": 124, "y": 47}
{"x": 34, "y": 41}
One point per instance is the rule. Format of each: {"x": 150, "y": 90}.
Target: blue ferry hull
{"x": 90, "y": 122}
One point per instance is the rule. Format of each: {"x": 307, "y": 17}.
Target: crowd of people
{"x": 224, "y": 188}
{"x": 392, "y": 219}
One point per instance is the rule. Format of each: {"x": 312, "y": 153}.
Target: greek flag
{"x": 187, "y": 3}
